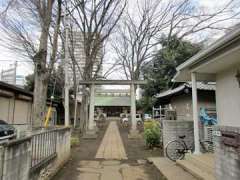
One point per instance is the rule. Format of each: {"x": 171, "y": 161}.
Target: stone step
{"x": 169, "y": 170}
{"x": 203, "y": 161}
{"x": 200, "y": 168}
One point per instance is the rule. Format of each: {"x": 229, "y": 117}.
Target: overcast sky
{"x": 25, "y": 67}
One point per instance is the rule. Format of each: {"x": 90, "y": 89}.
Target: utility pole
{"x": 66, "y": 84}
{"x": 15, "y": 73}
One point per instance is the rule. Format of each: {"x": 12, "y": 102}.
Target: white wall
{"x": 228, "y": 98}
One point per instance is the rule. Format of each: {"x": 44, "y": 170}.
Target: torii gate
{"x": 91, "y": 124}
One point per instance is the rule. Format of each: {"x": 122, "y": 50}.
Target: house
{"x": 220, "y": 63}
{"x": 16, "y": 106}
{"x": 180, "y": 99}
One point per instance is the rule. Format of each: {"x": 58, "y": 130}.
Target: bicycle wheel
{"x": 175, "y": 150}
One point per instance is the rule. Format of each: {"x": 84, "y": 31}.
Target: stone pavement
{"x": 105, "y": 158}
{"x": 112, "y": 151}
{"x": 112, "y": 146}
{"x": 111, "y": 170}
{"x": 170, "y": 170}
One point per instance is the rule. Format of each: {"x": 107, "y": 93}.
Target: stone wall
{"x": 63, "y": 154}
{"x": 171, "y": 129}
{"x": 227, "y": 158}
{"x": 15, "y": 159}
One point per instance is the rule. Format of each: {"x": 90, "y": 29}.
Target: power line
{"x": 8, "y": 60}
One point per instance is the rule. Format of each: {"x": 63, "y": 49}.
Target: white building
{"x": 77, "y": 45}
{"x": 220, "y": 62}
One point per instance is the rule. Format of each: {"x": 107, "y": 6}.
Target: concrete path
{"x": 170, "y": 170}
{"x": 105, "y": 158}
{"x": 111, "y": 170}
{"x": 112, "y": 146}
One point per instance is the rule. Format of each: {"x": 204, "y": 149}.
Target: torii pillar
{"x": 91, "y": 125}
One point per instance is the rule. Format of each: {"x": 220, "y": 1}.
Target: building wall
{"x": 15, "y": 111}
{"x": 4, "y": 104}
{"x": 227, "y": 160}
{"x": 23, "y": 110}
{"x": 6, "y": 109}
{"x": 228, "y": 98}
{"x": 18, "y": 112}
{"x": 183, "y": 104}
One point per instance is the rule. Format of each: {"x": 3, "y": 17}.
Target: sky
{"x": 25, "y": 66}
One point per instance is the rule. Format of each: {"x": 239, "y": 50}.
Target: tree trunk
{"x": 41, "y": 73}
{"x": 39, "y": 101}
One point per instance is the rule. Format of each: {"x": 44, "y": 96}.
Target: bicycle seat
{"x": 182, "y": 137}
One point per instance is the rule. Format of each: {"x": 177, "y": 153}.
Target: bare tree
{"x": 139, "y": 32}
{"x": 31, "y": 28}
{"x": 94, "y": 20}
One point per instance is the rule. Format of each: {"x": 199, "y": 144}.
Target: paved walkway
{"x": 105, "y": 160}
{"x": 111, "y": 170}
{"x": 112, "y": 146}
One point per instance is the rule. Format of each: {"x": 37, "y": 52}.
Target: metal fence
{"x": 43, "y": 147}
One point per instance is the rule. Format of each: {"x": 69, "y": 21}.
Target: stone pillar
{"x": 91, "y": 124}
{"x": 91, "y": 128}
{"x": 133, "y": 108}
{"x": 195, "y": 113}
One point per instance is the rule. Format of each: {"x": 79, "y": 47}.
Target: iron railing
{"x": 43, "y": 147}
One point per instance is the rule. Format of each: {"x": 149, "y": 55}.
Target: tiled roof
{"x": 14, "y": 88}
{"x": 200, "y": 86}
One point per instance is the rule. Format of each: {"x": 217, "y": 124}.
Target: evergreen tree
{"x": 161, "y": 69}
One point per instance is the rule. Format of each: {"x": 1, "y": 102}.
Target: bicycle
{"x": 176, "y": 149}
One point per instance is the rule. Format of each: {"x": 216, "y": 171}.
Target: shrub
{"x": 74, "y": 141}
{"x": 152, "y": 133}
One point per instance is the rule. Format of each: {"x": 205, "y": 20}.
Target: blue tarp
{"x": 205, "y": 118}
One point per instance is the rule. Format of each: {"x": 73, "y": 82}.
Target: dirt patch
{"x": 135, "y": 148}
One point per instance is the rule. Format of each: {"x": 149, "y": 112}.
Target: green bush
{"x": 152, "y": 133}
{"x": 74, "y": 141}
